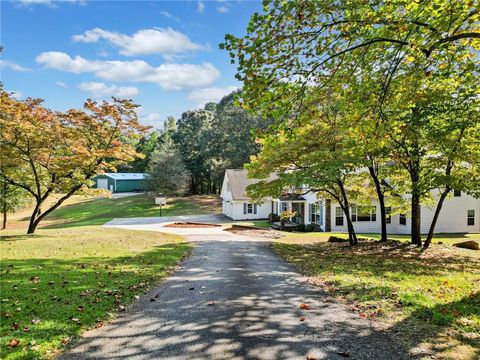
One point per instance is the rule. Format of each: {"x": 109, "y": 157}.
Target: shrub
{"x": 273, "y": 218}
{"x": 301, "y": 227}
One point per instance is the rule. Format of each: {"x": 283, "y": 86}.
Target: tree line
{"x": 47, "y": 156}
{"x": 190, "y": 155}
{"x": 370, "y": 101}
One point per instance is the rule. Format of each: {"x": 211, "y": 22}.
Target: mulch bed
{"x": 255, "y": 232}
{"x": 190, "y": 225}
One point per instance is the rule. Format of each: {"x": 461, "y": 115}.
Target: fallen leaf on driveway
{"x": 192, "y": 288}
{"x": 302, "y": 318}
{"x": 304, "y": 306}
{"x": 362, "y": 315}
{"x": 311, "y": 357}
{"x": 343, "y": 354}
{"x": 211, "y": 303}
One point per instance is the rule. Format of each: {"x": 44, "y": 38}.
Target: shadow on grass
{"x": 20, "y": 237}
{"x": 437, "y": 290}
{"x": 68, "y": 296}
{"x": 435, "y": 327}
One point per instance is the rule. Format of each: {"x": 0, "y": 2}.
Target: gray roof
{"x": 126, "y": 176}
{"x": 238, "y": 180}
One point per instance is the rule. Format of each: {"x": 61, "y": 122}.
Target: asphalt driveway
{"x": 233, "y": 299}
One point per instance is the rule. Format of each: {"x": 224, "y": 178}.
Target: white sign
{"x": 160, "y": 201}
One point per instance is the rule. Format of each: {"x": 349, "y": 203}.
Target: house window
{"x": 316, "y": 213}
{"x": 284, "y": 206}
{"x": 338, "y": 216}
{"x": 388, "y": 217}
{"x": 403, "y": 219}
{"x": 249, "y": 208}
{"x": 275, "y": 208}
{"x": 470, "y": 217}
{"x": 364, "y": 213}
{"x": 457, "y": 193}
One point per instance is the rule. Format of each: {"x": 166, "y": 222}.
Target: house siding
{"x": 452, "y": 218}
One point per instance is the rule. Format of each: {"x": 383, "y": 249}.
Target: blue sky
{"x": 162, "y": 54}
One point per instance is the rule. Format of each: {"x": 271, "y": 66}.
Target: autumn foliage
{"x": 46, "y": 152}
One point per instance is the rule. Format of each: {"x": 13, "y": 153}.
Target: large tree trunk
{"x": 4, "y": 223}
{"x": 32, "y": 225}
{"x": 431, "y": 231}
{"x": 352, "y": 237}
{"x": 381, "y": 201}
{"x": 416, "y": 237}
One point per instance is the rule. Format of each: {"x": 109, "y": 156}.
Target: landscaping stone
{"x": 471, "y": 245}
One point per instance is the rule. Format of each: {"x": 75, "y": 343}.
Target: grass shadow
{"x": 55, "y": 299}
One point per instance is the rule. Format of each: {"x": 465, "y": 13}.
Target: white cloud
{"x": 169, "y": 16}
{"x": 214, "y": 94}
{"x": 61, "y": 84}
{"x": 149, "y": 119}
{"x": 166, "y": 41}
{"x": 200, "y": 7}
{"x": 50, "y": 3}
{"x": 5, "y": 64}
{"x": 222, "y": 9}
{"x": 101, "y": 90}
{"x": 167, "y": 76}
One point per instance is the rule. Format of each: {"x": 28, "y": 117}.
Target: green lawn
{"x": 57, "y": 283}
{"x": 431, "y": 297}
{"x": 99, "y": 211}
{"x": 73, "y": 275}
{"x": 447, "y": 239}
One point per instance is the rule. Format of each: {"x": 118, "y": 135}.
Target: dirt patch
{"x": 255, "y": 232}
{"x": 190, "y": 225}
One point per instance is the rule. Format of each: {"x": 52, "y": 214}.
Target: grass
{"x": 88, "y": 211}
{"x": 74, "y": 275}
{"x": 446, "y": 239}
{"x": 431, "y": 297}
{"x": 100, "y": 211}
{"x": 58, "y": 283}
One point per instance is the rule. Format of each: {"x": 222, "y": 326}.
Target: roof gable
{"x": 238, "y": 181}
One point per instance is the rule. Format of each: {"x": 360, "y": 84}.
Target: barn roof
{"x": 126, "y": 176}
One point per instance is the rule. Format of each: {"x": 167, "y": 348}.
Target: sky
{"x": 162, "y": 54}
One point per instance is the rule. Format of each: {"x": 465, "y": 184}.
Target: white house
{"x": 460, "y": 212}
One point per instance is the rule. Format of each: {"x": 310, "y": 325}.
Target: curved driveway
{"x": 233, "y": 299}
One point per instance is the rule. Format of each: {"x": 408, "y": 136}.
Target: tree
{"x": 193, "y": 137}
{"x": 145, "y": 146}
{"x": 311, "y": 156}
{"x": 12, "y": 199}
{"x": 167, "y": 171}
{"x": 62, "y": 152}
{"x": 397, "y": 47}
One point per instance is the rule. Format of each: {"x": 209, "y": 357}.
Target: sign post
{"x": 161, "y": 201}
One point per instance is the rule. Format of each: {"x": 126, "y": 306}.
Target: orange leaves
{"x": 13, "y": 343}
{"x": 304, "y": 306}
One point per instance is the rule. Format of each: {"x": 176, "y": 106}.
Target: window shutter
{"x": 254, "y": 208}
{"x": 244, "y": 208}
